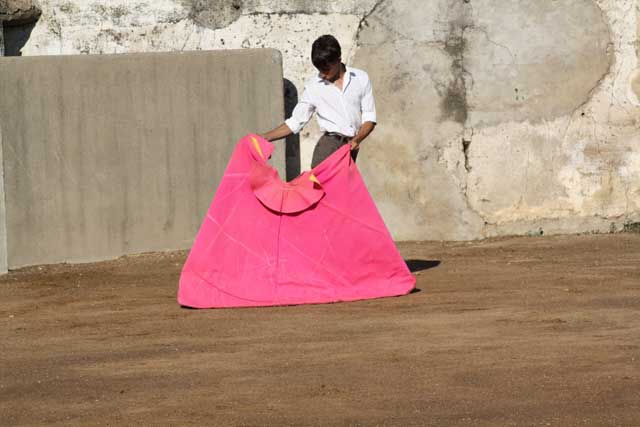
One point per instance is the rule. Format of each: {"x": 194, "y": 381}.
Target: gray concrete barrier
{"x": 108, "y": 155}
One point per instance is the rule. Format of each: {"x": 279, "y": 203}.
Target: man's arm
{"x": 363, "y": 132}
{"x": 281, "y": 131}
{"x": 299, "y": 117}
{"x": 368, "y": 108}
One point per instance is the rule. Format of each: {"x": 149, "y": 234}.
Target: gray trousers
{"x": 327, "y": 145}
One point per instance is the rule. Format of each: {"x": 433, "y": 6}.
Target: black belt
{"x": 338, "y": 135}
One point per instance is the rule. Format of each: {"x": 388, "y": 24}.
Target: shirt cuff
{"x": 293, "y": 124}
{"x": 369, "y": 117}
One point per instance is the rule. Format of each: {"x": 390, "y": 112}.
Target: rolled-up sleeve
{"x": 301, "y": 113}
{"x": 368, "y": 104}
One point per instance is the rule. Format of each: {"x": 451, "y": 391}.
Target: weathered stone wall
{"x": 520, "y": 117}
{"x": 19, "y": 11}
{"x": 495, "y": 117}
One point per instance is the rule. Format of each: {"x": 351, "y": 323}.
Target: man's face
{"x": 332, "y": 72}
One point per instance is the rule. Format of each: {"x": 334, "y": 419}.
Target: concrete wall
{"x": 112, "y": 154}
{"x": 495, "y": 117}
{"x": 3, "y": 216}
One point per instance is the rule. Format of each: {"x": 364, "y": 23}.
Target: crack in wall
{"x": 186, "y": 40}
{"x": 612, "y": 64}
{"x": 466, "y": 143}
{"x": 363, "y": 22}
{"x": 495, "y": 43}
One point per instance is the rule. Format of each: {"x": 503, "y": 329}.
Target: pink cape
{"x": 316, "y": 239}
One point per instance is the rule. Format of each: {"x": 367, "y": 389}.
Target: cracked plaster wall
{"x": 495, "y": 117}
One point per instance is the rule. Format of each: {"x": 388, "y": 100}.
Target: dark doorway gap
{"x": 16, "y": 35}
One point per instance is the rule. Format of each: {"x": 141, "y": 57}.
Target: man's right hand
{"x": 281, "y": 131}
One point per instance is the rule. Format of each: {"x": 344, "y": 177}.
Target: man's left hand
{"x": 355, "y": 145}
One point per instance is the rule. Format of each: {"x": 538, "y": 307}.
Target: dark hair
{"x": 325, "y": 51}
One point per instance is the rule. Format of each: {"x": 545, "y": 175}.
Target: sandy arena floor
{"x": 507, "y": 332}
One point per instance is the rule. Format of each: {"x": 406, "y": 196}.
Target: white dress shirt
{"x": 342, "y": 111}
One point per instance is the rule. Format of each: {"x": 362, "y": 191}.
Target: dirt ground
{"x": 507, "y": 332}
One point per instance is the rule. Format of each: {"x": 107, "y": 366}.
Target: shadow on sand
{"x": 421, "y": 264}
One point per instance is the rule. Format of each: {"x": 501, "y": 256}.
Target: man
{"x": 342, "y": 98}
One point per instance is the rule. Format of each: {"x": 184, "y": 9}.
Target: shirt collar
{"x": 320, "y": 79}
{"x": 347, "y": 78}
{"x": 348, "y": 74}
